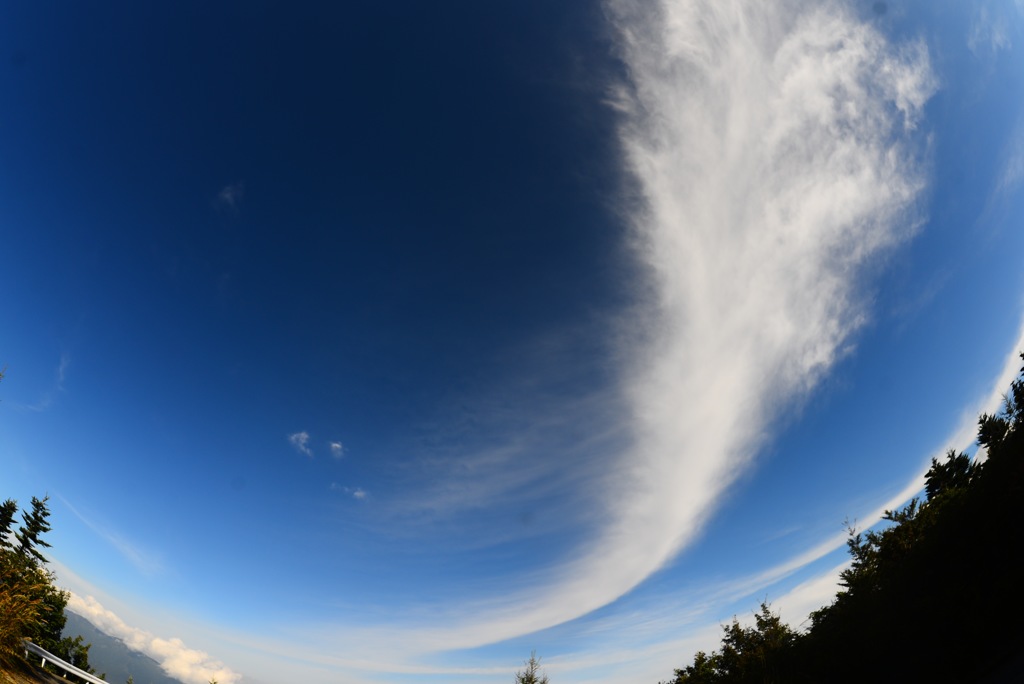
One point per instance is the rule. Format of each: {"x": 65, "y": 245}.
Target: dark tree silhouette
{"x": 761, "y": 654}
{"x": 30, "y": 535}
{"x": 8, "y": 509}
{"x": 932, "y": 594}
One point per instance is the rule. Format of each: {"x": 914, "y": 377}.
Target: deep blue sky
{"x": 359, "y": 342}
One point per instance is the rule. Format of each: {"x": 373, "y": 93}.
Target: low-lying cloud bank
{"x": 178, "y": 660}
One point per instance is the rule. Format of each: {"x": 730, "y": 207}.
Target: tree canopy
{"x": 31, "y": 605}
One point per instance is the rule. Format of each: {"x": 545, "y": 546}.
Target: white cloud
{"x": 1013, "y": 164}
{"x": 337, "y": 449}
{"x": 355, "y": 492}
{"x": 796, "y": 605}
{"x": 767, "y": 143}
{"x": 769, "y": 148}
{"x": 178, "y": 660}
{"x": 62, "y": 370}
{"x": 49, "y": 396}
{"x": 300, "y": 440}
{"x": 820, "y": 590}
{"x": 771, "y": 145}
{"x": 648, "y": 633}
{"x": 230, "y": 196}
{"x": 989, "y": 28}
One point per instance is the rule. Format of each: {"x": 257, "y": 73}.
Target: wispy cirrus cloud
{"x": 772, "y": 150}
{"x": 62, "y": 370}
{"x": 145, "y": 561}
{"x": 771, "y": 146}
{"x": 1012, "y": 174}
{"x": 190, "y": 665}
{"x": 357, "y": 493}
{"x": 231, "y": 195}
{"x": 774, "y": 153}
{"x": 990, "y": 27}
{"x": 50, "y": 395}
{"x": 300, "y": 442}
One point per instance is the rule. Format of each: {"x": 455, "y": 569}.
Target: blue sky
{"x": 385, "y": 344}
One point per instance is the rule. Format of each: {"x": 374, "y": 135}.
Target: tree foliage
{"x": 760, "y": 654}
{"x": 531, "y": 672}
{"x": 927, "y": 595}
{"x": 31, "y": 605}
{"x": 22, "y": 587}
{"x": 8, "y": 509}
{"x": 36, "y": 524}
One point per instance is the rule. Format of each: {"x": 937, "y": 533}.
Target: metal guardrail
{"x": 67, "y": 667}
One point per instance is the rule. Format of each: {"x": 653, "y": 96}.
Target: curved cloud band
{"x": 768, "y": 142}
{"x": 773, "y": 152}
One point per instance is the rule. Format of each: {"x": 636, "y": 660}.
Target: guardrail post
{"x": 46, "y": 657}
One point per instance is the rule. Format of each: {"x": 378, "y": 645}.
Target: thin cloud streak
{"x": 357, "y": 493}
{"x": 963, "y": 436}
{"x": 796, "y": 605}
{"x": 48, "y": 398}
{"x": 990, "y": 28}
{"x": 1013, "y": 167}
{"x": 819, "y": 591}
{"x": 62, "y": 370}
{"x": 146, "y": 562}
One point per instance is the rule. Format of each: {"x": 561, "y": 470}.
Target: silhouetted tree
{"x": 759, "y": 654}
{"x": 928, "y": 592}
{"x": 8, "y": 509}
{"x": 30, "y": 534}
{"x": 956, "y": 473}
{"x": 531, "y": 673}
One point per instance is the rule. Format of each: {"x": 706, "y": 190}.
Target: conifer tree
{"x": 531, "y": 674}
{"x": 7, "y": 511}
{"x": 927, "y": 594}
{"x": 29, "y": 535}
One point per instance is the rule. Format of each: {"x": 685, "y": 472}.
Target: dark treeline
{"x": 935, "y": 595}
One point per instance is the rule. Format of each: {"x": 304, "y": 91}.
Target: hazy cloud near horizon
{"x": 190, "y": 665}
